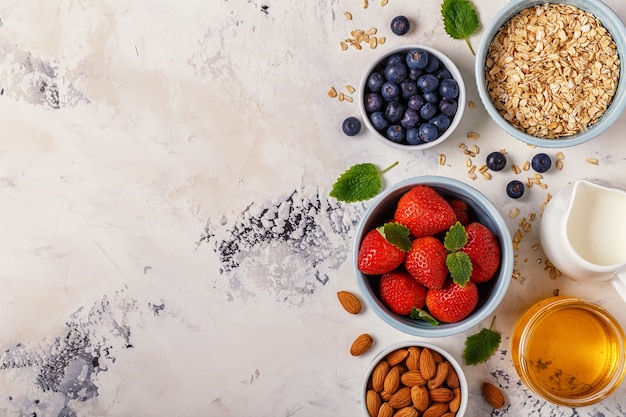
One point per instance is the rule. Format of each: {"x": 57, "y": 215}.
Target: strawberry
{"x": 453, "y": 302}
{"x": 483, "y": 250}
{"x": 460, "y": 209}
{"x": 401, "y": 293}
{"x": 424, "y": 212}
{"x": 426, "y": 262}
{"x": 377, "y": 255}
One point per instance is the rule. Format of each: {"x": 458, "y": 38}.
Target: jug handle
{"x": 619, "y": 283}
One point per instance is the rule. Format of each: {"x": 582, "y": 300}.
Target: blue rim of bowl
{"x": 504, "y": 274}
{"x": 463, "y": 385}
{"x": 609, "y": 20}
{"x": 456, "y": 74}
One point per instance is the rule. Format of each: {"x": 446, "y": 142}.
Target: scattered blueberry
{"x": 496, "y": 161}
{"x": 394, "y": 111}
{"x": 395, "y": 133}
{"x": 351, "y": 126}
{"x": 390, "y": 91}
{"x": 428, "y": 111}
{"x": 428, "y": 132}
{"x": 515, "y": 189}
{"x": 417, "y": 58}
{"x": 400, "y": 25}
{"x": 396, "y": 72}
{"x": 410, "y": 119}
{"x": 448, "y": 107}
{"x": 428, "y": 82}
{"x": 373, "y": 102}
{"x": 441, "y": 122}
{"x": 449, "y": 89}
{"x": 375, "y": 81}
{"x": 413, "y": 136}
{"x": 541, "y": 162}
{"x": 378, "y": 120}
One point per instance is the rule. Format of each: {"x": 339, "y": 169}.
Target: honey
{"x": 569, "y": 351}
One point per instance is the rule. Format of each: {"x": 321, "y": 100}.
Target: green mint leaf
{"x": 419, "y": 314}
{"x": 456, "y": 238}
{"x": 460, "y": 266}
{"x": 359, "y": 182}
{"x": 396, "y": 234}
{"x": 481, "y": 346}
{"x": 460, "y": 20}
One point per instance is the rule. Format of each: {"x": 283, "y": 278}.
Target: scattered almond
{"x": 493, "y": 395}
{"x": 361, "y": 344}
{"x": 349, "y": 302}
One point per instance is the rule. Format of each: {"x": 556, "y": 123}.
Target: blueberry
{"x": 428, "y": 111}
{"x": 408, "y": 88}
{"x": 417, "y": 58}
{"x": 412, "y": 136}
{"x": 415, "y": 73}
{"x": 443, "y": 74}
{"x": 373, "y": 102}
{"x": 428, "y": 82}
{"x": 449, "y": 89}
{"x": 541, "y": 162}
{"x": 448, "y": 107}
{"x": 378, "y": 120}
{"x": 515, "y": 189}
{"x": 441, "y": 122}
{"x": 395, "y": 133}
{"x": 433, "y": 64}
{"x": 375, "y": 81}
{"x": 400, "y": 25}
{"x": 432, "y": 97}
{"x": 351, "y": 126}
{"x": 394, "y": 111}
{"x": 428, "y": 132}
{"x": 398, "y": 58}
{"x": 390, "y": 91}
{"x": 409, "y": 119}
{"x": 415, "y": 102}
{"x": 496, "y": 161}
{"x": 396, "y": 72}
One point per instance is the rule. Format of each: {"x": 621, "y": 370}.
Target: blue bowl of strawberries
{"x": 432, "y": 256}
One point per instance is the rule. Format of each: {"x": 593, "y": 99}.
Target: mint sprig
{"x": 359, "y": 182}
{"x": 460, "y": 20}
{"x": 459, "y": 263}
{"x": 396, "y": 234}
{"x": 481, "y": 346}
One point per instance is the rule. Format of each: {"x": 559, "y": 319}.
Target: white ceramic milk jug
{"x": 583, "y": 233}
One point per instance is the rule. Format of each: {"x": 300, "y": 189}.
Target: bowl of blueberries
{"x": 412, "y": 97}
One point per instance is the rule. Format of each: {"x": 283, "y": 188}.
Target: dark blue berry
{"x": 432, "y": 97}
{"x": 443, "y": 74}
{"x": 416, "y": 102}
{"x": 394, "y": 111}
{"x": 373, "y": 102}
{"x": 428, "y": 132}
{"x": 408, "y": 88}
{"x": 496, "y": 161}
{"x": 400, "y": 25}
{"x": 441, "y": 122}
{"x": 415, "y": 73}
{"x": 398, "y": 58}
{"x": 410, "y": 119}
{"x": 396, "y": 72}
{"x": 395, "y": 133}
{"x": 515, "y": 189}
{"x": 428, "y": 111}
{"x": 428, "y": 82}
{"x": 413, "y": 136}
{"x": 378, "y": 120}
{"x": 448, "y": 107}
{"x": 375, "y": 81}
{"x": 541, "y": 162}
{"x": 390, "y": 91}
{"x": 417, "y": 58}
{"x": 449, "y": 89}
{"x": 351, "y": 126}
{"x": 433, "y": 64}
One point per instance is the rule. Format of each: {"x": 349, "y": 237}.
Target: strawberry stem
{"x": 389, "y": 167}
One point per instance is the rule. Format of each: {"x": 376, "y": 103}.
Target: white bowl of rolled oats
{"x": 548, "y": 71}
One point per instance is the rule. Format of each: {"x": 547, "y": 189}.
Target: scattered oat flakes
{"x": 560, "y": 156}
{"x": 350, "y": 89}
{"x": 347, "y": 15}
{"x": 364, "y": 4}
{"x": 514, "y": 212}
{"x": 526, "y": 166}
{"x": 442, "y": 159}
{"x": 471, "y": 104}
{"x": 332, "y": 93}
{"x": 516, "y": 169}
{"x": 472, "y": 135}
{"x": 383, "y": 3}
{"x": 592, "y": 161}
{"x": 559, "y": 164}
{"x": 382, "y": 40}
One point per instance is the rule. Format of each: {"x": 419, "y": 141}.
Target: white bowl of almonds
{"x": 413, "y": 379}
{"x": 549, "y": 71}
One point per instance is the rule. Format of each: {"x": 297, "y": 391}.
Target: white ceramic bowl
{"x": 609, "y": 20}
{"x": 444, "y": 354}
{"x": 449, "y": 65}
{"x": 491, "y": 292}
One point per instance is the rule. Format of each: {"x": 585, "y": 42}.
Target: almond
{"x": 385, "y": 396}
{"x": 449, "y": 414}
{"x": 406, "y": 412}
{"x": 397, "y": 356}
{"x": 372, "y": 402}
{"x": 401, "y": 398}
{"x": 392, "y": 380}
{"x": 440, "y": 376}
{"x": 441, "y": 395}
{"x": 361, "y": 344}
{"x": 427, "y": 364}
{"x": 385, "y": 410}
{"x": 436, "y": 410}
{"x": 412, "y": 378}
{"x": 493, "y": 395}
{"x": 412, "y": 359}
{"x": 420, "y": 397}
{"x": 379, "y": 374}
{"x": 455, "y": 402}
{"x": 452, "y": 380}
{"x": 349, "y": 302}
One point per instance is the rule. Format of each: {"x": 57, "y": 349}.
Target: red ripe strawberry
{"x": 400, "y": 292}
{"x": 424, "y": 212}
{"x": 452, "y": 303}
{"x": 484, "y": 251}
{"x": 460, "y": 209}
{"x": 426, "y": 262}
{"x": 377, "y": 256}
